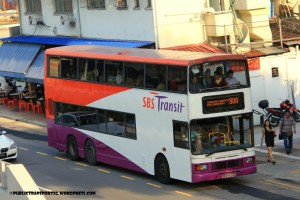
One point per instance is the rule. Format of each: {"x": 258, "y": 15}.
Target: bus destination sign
{"x": 223, "y": 103}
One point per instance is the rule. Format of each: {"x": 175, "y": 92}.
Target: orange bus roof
{"x": 140, "y": 55}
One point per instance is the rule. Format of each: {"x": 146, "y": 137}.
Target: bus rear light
{"x": 201, "y": 167}
{"x": 164, "y": 149}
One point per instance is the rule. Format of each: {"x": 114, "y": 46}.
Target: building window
{"x": 33, "y": 6}
{"x": 63, "y": 6}
{"x": 137, "y": 4}
{"x": 96, "y": 4}
{"x": 149, "y": 4}
{"x": 121, "y": 3}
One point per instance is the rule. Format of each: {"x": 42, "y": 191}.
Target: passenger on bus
{"x": 219, "y": 81}
{"x": 119, "y": 78}
{"x": 231, "y": 80}
{"x": 207, "y": 80}
{"x": 140, "y": 81}
{"x": 111, "y": 78}
{"x": 195, "y": 85}
{"x": 196, "y": 135}
{"x": 161, "y": 83}
{"x": 221, "y": 71}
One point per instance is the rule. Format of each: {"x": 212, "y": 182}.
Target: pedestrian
{"x": 287, "y": 127}
{"x": 268, "y": 133}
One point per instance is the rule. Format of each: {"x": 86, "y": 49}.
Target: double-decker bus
{"x": 140, "y": 109}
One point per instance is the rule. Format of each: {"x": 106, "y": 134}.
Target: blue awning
{"x": 35, "y": 73}
{"x": 15, "y": 58}
{"x": 65, "y": 41}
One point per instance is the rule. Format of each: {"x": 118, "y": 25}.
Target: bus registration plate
{"x": 229, "y": 175}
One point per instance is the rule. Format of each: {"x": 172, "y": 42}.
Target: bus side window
{"x": 130, "y": 126}
{"x": 181, "y": 136}
{"x": 155, "y": 77}
{"x": 177, "y": 78}
{"x": 100, "y": 71}
{"x": 133, "y": 72}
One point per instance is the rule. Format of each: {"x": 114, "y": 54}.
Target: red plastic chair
{"x": 22, "y": 104}
{"x": 28, "y": 105}
{"x": 37, "y": 108}
{"x": 4, "y": 100}
{"x": 12, "y": 103}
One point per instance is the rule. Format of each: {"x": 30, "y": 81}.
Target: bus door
{"x": 182, "y": 157}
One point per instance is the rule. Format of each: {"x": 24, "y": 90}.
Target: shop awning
{"x": 64, "y": 41}
{"x": 15, "y": 58}
{"x": 35, "y": 73}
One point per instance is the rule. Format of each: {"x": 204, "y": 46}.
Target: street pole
{"x": 4, "y": 9}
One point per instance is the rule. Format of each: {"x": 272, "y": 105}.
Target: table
{"x": 2, "y": 93}
{"x": 30, "y": 97}
{"x": 15, "y": 95}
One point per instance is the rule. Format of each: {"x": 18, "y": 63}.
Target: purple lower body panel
{"x": 58, "y": 135}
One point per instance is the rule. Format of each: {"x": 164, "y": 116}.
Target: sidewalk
{"x": 287, "y": 167}
{"x": 24, "y": 116}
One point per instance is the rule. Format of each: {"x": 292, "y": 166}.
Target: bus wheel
{"x": 90, "y": 152}
{"x": 162, "y": 170}
{"x": 72, "y": 148}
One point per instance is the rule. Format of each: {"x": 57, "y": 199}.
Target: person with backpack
{"x": 287, "y": 128}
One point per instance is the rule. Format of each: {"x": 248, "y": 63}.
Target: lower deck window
{"x": 97, "y": 120}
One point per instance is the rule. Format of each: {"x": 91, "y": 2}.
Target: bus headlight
{"x": 201, "y": 167}
{"x": 249, "y": 160}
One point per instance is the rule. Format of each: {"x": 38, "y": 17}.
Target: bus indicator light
{"x": 201, "y": 167}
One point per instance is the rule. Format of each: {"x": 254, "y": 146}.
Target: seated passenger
{"x": 207, "y": 80}
{"x": 232, "y": 81}
{"x": 219, "y": 81}
{"x": 195, "y": 86}
{"x": 196, "y": 142}
{"x": 161, "y": 83}
{"x": 221, "y": 71}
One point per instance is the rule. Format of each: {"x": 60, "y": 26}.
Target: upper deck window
{"x": 168, "y": 78}
{"x": 218, "y": 75}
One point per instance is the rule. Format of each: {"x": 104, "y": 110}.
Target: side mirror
{"x": 3, "y": 132}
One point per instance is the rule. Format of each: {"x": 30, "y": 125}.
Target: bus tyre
{"x": 90, "y": 152}
{"x": 162, "y": 170}
{"x": 72, "y": 148}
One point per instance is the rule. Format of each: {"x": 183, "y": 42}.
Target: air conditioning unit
{"x": 38, "y": 18}
{"x": 72, "y": 20}
{"x": 30, "y": 19}
{"x": 34, "y": 19}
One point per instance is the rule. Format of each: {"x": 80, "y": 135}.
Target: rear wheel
{"x": 72, "y": 148}
{"x": 162, "y": 170}
{"x": 296, "y": 115}
{"x": 274, "y": 121}
{"x": 90, "y": 152}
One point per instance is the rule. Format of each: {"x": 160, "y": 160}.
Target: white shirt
{"x": 231, "y": 81}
